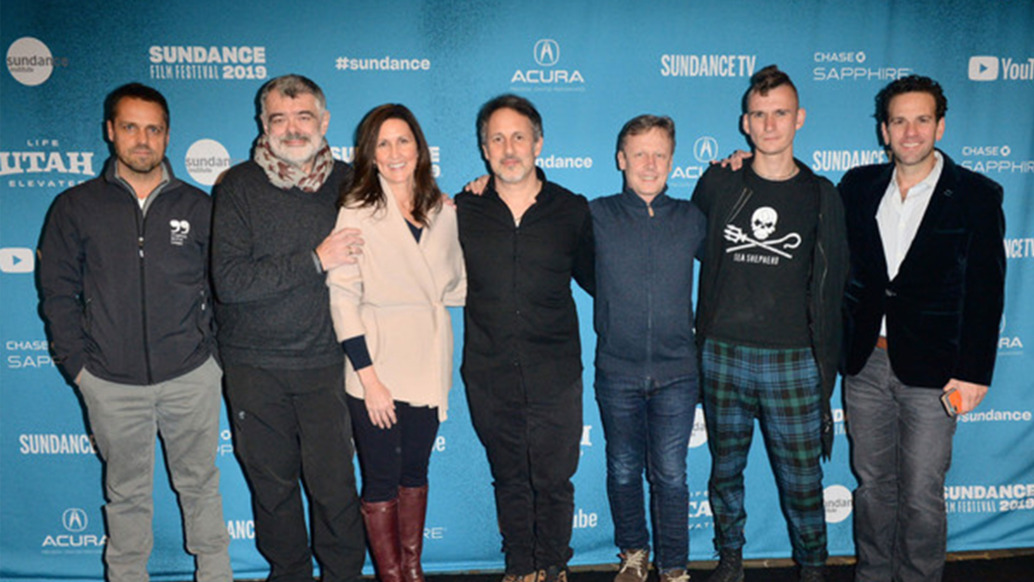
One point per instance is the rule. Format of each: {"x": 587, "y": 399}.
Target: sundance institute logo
{"x": 30, "y": 61}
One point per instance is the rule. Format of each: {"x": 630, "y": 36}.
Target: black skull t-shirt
{"x": 766, "y": 259}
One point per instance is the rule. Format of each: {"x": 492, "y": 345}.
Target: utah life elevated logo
{"x": 40, "y": 163}
{"x": 546, "y": 53}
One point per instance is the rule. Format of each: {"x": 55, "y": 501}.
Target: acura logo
{"x": 705, "y": 149}
{"x": 74, "y": 519}
{"x": 547, "y": 52}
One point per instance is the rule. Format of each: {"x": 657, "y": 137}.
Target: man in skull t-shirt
{"x": 767, "y": 247}
{"x": 768, "y": 317}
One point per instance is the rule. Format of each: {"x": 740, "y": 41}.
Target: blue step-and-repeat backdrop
{"x": 589, "y": 66}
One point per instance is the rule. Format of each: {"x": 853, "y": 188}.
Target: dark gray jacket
{"x": 125, "y": 294}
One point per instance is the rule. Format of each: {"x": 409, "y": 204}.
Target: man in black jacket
{"x": 523, "y": 240}
{"x": 923, "y": 305}
{"x": 124, "y": 278}
{"x": 769, "y": 317}
{"x": 271, "y": 243}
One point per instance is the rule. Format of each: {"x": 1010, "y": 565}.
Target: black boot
{"x": 730, "y": 567}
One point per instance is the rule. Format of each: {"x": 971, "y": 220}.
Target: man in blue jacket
{"x": 124, "y": 279}
{"x": 646, "y": 369}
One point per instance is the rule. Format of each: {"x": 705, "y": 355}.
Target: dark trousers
{"x": 532, "y": 447}
{"x": 780, "y": 388}
{"x": 901, "y": 442}
{"x": 397, "y": 456}
{"x": 292, "y": 425}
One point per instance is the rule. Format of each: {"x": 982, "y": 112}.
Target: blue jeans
{"x": 647, "y": 426}
{"x": 900, "y": 449}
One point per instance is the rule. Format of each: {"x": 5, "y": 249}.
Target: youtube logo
{"x": 17, "y": 260}
{"x": 983, "y": 68}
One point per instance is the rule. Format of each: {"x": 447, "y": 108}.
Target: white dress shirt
{"x": 899, "y": 219}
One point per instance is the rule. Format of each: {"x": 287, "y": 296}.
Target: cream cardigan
{"x": 396, "y": 295}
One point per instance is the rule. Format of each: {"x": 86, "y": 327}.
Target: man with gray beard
{"x": 271, "y": 245}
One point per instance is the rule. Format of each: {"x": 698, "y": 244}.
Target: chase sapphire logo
{"x": 547, "y": 52}
{"x": 74, "y": 519}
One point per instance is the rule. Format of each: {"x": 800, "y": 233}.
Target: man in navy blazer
{"x": 922, "y": 310}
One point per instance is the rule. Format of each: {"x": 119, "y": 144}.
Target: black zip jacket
{"x": 719, "y": 194}
{"x": 124, "y": 293}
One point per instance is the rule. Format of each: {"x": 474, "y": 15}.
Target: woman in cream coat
{"x": 389, "y": 312}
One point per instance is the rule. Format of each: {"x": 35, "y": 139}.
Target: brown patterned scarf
{"x": 286, "y": 176}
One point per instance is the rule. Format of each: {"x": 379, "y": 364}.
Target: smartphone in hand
{"x": 952, "y": 402}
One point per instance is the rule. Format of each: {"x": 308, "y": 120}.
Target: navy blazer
{"x": 943, "y": 307}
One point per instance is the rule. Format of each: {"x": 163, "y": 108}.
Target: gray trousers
{"x": 900, "y": 449}
{"x": 124, "y": 420}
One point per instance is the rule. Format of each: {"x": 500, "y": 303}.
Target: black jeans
{"x": 396, "y": 456}
{"x": 290, "y": 425}
{"x": 532, "y": 446}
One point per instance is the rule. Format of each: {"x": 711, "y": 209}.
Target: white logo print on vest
{"x": 763, "y": 225}
{"x": 180, "y": 230}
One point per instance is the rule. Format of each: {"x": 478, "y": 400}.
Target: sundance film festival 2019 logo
{"x": 989, "y": 498}
{"x": 547, "y": 77}
{"x": 41, "y": 163}
{"x": 30, "y": 61}
{"x": 207, "y": 63}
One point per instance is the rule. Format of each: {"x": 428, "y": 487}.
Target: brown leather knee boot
{"x": 412, "y": 511}
{"x": 382, "y": 533}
